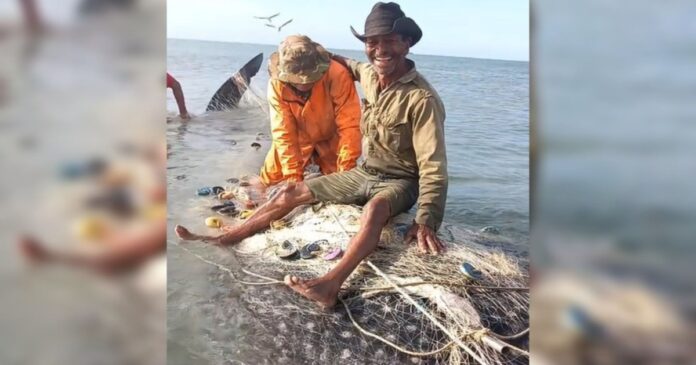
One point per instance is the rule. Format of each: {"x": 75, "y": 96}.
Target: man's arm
{"x": 347, "y": 111}
{"x": 31, "y": 15}
{"x": 284, "y": 133}
{"x": 429, "y": 144}
{"x": 178, "y": 96}
{"x": 358, "y": 70}
{"x": 428, "y": 117}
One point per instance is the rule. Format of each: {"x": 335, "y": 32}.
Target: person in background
{"x": 173, "y": 84}
{"x": 31, "y": 16}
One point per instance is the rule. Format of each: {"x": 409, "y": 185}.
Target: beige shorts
{"x": 358, "y": 186}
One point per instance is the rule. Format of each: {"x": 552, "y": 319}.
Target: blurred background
{"x": 613, "y": 198}
{"x": 82, "y": 197}
{"x": 82, "y": 110}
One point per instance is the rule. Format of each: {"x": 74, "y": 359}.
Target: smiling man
{"x": 403, "y": 150}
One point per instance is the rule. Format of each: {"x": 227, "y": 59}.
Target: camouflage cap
{"x": 299, "y": 61}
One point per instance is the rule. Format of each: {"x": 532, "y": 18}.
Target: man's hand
{"x": 426, "y": 238}
{"x": 295, "y": 179}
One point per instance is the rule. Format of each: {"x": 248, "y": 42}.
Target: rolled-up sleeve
{"x": 429, "y": 143}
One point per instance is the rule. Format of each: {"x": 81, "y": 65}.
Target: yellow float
{"x": 213, "y": 222}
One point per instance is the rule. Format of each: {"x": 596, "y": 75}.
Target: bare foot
{"x": 321, "y": 291}
{"x": 33, "y": 251}
{"x": 186, "y": 235}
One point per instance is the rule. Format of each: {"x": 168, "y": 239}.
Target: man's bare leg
{"x": 33, "y": 251}
{"x": 324, "y": 290}
{"x": 37, "y": 253}
{"x": 281, "y": 204}
{"x": 122, "y": 251}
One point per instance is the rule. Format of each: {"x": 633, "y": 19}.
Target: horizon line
{"x": 347, "y": 49}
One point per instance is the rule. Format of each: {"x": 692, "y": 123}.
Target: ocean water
{"x": 487, "y": 136}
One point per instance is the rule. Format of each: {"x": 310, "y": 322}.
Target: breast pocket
{"x": 367, "y": 110}
{"x": 396, "y": 136}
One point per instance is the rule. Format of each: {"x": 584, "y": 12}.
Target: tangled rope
{"x": 479, "y": 335}
{"x": 427, "y": 314}
{"x": 384, "y": 340}
{"x": 269, "y": 281}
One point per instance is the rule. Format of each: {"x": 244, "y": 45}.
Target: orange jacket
{"x": 327, "y": 125}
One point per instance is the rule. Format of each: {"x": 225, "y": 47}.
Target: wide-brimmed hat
{"x": 299, "y": 61}
{"x": 385, "y": 18}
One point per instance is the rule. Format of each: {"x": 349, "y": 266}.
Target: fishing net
{"x": 436, "y": 315}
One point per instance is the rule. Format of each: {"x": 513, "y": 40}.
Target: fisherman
{"x": 315, "y": 113}
{"x": 404, "y": 150}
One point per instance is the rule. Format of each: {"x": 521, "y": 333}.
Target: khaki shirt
{"x": 404, "y": 135}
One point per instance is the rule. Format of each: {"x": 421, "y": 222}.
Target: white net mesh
{"x": 372, "y": 322}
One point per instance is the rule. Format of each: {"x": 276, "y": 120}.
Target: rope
{"x": 427, "y": 314}
{"x": 523, "y": 352}
{"x": 401, "y": 291}
{"x": 512, "y": 337}
{"x": 447, "y": 283}
{"x": 478, "y": 335}
{"x": 335, "y": 217}
{"x": 269, "y": 282}
{"x": 384, "y": 340}
{"x": 275, "y": 281}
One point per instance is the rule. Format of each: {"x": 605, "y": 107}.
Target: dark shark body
{"x": 229, "y": 94}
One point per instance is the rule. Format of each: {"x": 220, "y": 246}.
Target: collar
{"x": 289, "y": 95}
{"x": 411, "y": 74}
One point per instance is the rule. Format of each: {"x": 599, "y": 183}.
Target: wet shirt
{"x": 403, "y": 135}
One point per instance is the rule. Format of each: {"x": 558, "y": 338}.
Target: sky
{"x": 494, "y": 29}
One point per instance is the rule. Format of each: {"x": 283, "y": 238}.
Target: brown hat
{"x": 385, "y": 18}
{"x": 299, "y": 61}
